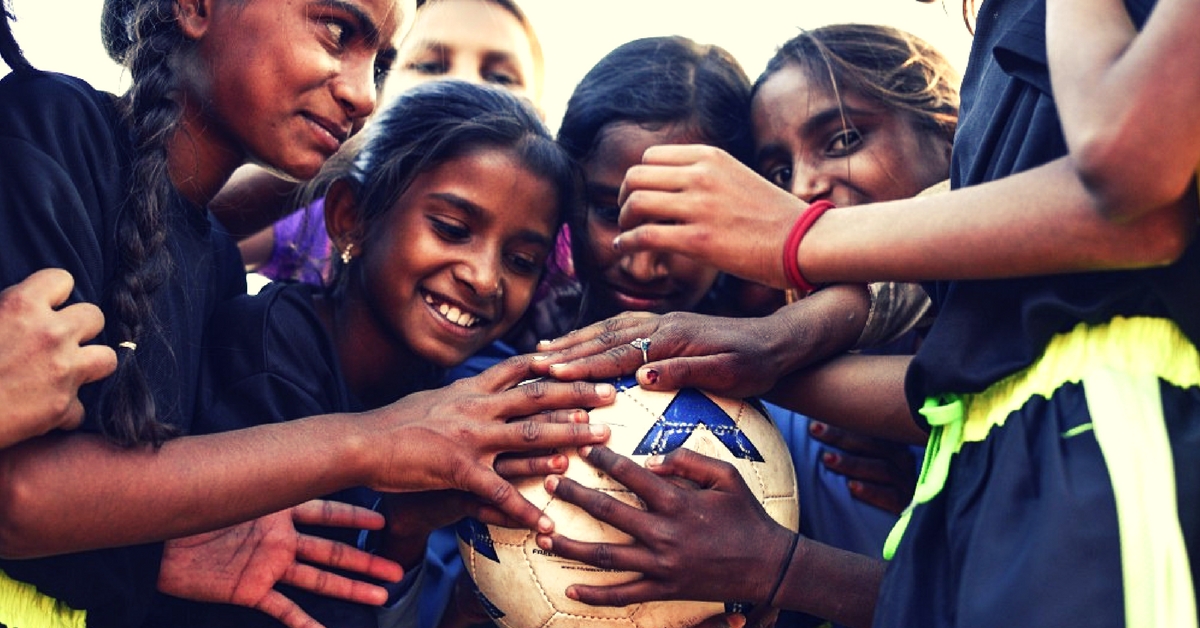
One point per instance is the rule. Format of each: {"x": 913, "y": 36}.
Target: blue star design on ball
{"x": 474, "y": 533}
{"x": 687, "y": 411}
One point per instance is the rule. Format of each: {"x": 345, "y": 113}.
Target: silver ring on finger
{"x": 642, "y": 344}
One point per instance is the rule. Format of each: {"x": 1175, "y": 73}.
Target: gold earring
{"x": 346, "y": 255}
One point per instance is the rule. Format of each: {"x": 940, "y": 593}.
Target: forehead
{"x": 470, "y": 24}
{"x": 620, "y": 145}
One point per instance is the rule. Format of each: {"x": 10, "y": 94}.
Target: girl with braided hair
{"x": 114, "y": 190}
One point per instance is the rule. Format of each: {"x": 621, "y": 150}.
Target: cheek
{"x": 518, "y": 294}
{"x": 693, "y": 278}
{"x": 598, "y": 251}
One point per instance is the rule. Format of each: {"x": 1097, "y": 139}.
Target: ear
{"x": 193, "y": 17}
{"x": 341, "y": 217}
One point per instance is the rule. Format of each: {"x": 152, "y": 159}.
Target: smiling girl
{"x": 114, "y": 190}
{"x": 444, "y": 217}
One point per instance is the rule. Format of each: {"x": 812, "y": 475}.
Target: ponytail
{"x": 9, "y": 50}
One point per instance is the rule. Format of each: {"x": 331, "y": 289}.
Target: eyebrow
{"x": 815, "y": 122}
{"x": 370, "y": 30}
{"x": 475, "y": 211}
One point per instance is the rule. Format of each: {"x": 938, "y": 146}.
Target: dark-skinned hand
{"x": 691, "y": 536}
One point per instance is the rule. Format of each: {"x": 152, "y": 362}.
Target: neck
{"x": 199, "y": 160}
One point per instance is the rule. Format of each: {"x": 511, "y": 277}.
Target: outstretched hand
{"x": 693, "y": 199}
{"x": 450, "y": 438}
{"x": 731, "y": 357}
{"x": 691, "y": 537}
{"x": 242, "y": 564}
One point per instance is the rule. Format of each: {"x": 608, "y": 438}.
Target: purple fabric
{"x": 302, "y": 250}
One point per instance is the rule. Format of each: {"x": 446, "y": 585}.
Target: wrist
{"x": 791, "y": 247}
{"x": 784, "y": 567}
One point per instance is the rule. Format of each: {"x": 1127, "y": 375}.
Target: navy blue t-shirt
{"x": 268, "y": 359}
{"x": 986, "y": 330}
{"x": 64, "y": 176}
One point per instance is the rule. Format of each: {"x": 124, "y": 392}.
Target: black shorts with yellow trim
{"x": 1070, "y": 494}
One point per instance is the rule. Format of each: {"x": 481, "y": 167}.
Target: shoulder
{"x": 268, "y": 357}
{"x": 43, "y": 106}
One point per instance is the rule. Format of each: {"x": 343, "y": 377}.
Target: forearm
{"x": 1041, "y": 221}
{"x": 863, "y": 393}
{"x": 72, "y": 492}
{"x": 831, "y": 583}
{"x": 1127, "y": 100}
{"x": 819, "y": 326}
{"x": 252, "y": 200}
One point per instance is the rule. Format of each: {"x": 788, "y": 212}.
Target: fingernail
{"x": 598, "y": 430}
{"x": 558, "y": 462}
{"x": 616, "y": 243}
{"x": 539, "y": 358}
{"x": 579, "y": 416}
{"x": 650, "y": 376}
{"x": 542, "y": 343}
{"x": 816, "y": 427}
{"x": 855, "y": 486}
{"x": 655, "y": 461}
{"x": 585, "y": 451}
{"x": 605, "y": 390}
{"x": 572, "y": 594}
{"x": 545, "y": 525}
{"x": 544, "y": 542}
{"x": 830, "y": 458}
{"x": 736, "y": 621}
{"x": 551, "y": 483}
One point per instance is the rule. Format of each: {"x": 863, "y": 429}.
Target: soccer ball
{"x": 524, "y": 586}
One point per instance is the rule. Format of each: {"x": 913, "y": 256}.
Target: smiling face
{"x": 851, "y": 151}
{"x": 454, "y": 263}
{"x": 644, "y": 281}
{"x": 281, "y": 82}
{"x": 471, "y": 40}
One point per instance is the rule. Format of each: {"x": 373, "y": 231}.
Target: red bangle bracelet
{"x": 791, "y": 247}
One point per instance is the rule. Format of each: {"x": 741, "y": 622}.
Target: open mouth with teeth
{"x": 453, "y": 313}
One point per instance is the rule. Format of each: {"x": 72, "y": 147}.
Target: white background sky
{"x": 64, "y": 35}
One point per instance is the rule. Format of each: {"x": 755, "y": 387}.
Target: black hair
{"x": 430, "y": 124}
{"x": 148, "y": 36}
{"x": 895, "y": 69}
{"x": 660, "y": 81}
{"x": 9, "y": 50}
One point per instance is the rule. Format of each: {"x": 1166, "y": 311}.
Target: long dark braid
{"x": 143, "y": 261}
{"x": 9, "y": 50}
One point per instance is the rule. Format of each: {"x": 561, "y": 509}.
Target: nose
{"x": 482, "y": 277}
{"x": 809, "y": 185}
{"x": 645, "y": 266}
{"x": 354, "y": 87}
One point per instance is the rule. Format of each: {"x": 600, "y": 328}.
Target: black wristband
{"x": 787, "y": 562}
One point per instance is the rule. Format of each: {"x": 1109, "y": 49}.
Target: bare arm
{"x": 71, "y": 492}
{"x": 1127, "y": 100}
{"x": 863, "y": 393}
{"x": 252, "y": 200}
{"x": 688, "y": 199}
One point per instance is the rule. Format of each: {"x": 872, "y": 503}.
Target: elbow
{"x": 18, "y": 528}
{"x": 1158, "y": 238}
{"x": 1123, "y": 183}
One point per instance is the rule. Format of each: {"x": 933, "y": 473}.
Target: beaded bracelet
{"x": 791, "y": 247}
{"x": 787, "y": 562}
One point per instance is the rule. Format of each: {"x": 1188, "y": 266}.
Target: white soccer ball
{"x": 524, "y": 586}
